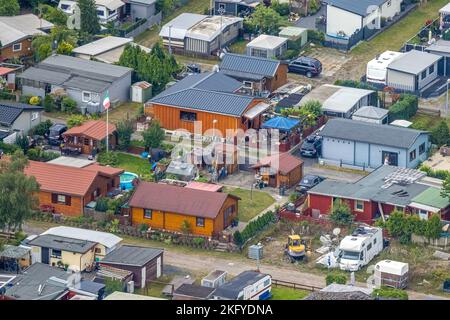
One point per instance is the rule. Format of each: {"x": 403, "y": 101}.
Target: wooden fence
{"x": 295, "y": 286}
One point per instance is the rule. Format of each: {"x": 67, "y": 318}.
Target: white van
{"x": 360, "y": 248}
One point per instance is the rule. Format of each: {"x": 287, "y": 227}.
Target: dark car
{"x": 305, "y": 65}
{"x": 312, "y": 146}
{"x": 308, "y": 182}
{"x": 55, "y": 134}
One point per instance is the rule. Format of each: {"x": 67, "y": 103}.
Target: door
{"x": 45, "y": 255}
{"x": 158, "y": 267}
{"x": 389, "y": 158}
{"x": 143, "y": 276}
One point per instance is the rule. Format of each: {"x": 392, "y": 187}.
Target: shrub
{"x": 75, "y": 120}
{"x": 124, "y": 132}
{"x": 101, "y": 204}
{"x": 35, "y": 101}
{"x": 186, "y": 227}
{"x": 281, "y": 8}
{"x": 392, "y": 293}
{"x": 49, "y": 103}
{"x": 440, "y": 134}
{"x": 405, "y": 108}
{"x": 25, "y": 98}
{"x": 335, "y": 278}
{"x": 199, "y": 242}
{"x": 253, "y": 227}
{"x": 143, "y": 227}
{"x": 354, "y": 84}
{"x": 5, "y": 95}
{"x": 42, "y": 128}
{"x": 341, "y": 213}
{"x": 38, "y": 154}
{"x": 8, "y": 148}
{"x": 107, "y": 158}
{"x": 316, "y": 36}
{"x": 237, "y": 238}
{"x": 69, "y": 105}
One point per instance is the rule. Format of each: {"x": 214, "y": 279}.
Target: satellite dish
{"x": 336, "y": 231}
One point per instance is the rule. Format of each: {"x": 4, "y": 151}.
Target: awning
{"x": 281, "y": 123}
{"x": 256, "y": 110}
{"x": 110, "y": 4}
{"x": 423, "y": 207}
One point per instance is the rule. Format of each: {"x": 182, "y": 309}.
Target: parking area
{"x": 331, "y": 59}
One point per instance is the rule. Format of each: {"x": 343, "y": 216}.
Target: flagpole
{"x": 107, "y": 130}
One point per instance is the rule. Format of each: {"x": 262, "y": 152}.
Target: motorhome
{"x": 358, "y": 249}
{"x": 377, "y": 68}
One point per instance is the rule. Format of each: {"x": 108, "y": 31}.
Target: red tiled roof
{"x": 106, "y": 170}
{"x": 95, "y": 129}
{"x": 181, "y": 200}
{"x": 61, "y": 179}
{"x": 286, "y": 164}
{"x": 4, "y": 71}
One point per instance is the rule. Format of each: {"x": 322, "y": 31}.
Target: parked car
{"x": 312, "y": 146}
{"x": 55, "y": 134}
{"x": 308, "y": 182}
{"x": 305, "y": 65}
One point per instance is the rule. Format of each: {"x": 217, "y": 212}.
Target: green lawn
{"x": 239, "y": 46}
{"x": 149, "y": 37}
{"x": 133, "y": 163}
{"x": 154, "y": 289}
{"x": 250, "y": 205}
{"x": 394, "y": 37}
{"x": 283, "y": 293}
{"x": 426, "y": 122}
{"x": 126, "y": 110}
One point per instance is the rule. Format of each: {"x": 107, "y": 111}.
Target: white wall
{"x": 400, "y": 80}
{"x": 341, "y": 20}
{"x": 390, "y": 8}
{"x": 373, "y": 20}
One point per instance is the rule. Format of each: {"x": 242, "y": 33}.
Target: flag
{"x": 106, "y": 102}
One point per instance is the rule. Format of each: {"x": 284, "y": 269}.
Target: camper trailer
{"x": 358, "y": 249}
{"x": 377, "y": 68}
{"x": 391, "y": 274}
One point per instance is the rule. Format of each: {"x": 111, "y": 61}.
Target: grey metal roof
{"x": 381, "y": 134}
{"x": 102, "y": 45}
{"x": 62, "y": 243}
{"x": 14, "y": 252}
{"x": 131, "y": 255}
{"x": 369, "y": 188}
{"x": 371, "y": 112}
{"x": 413, "y": 62}
{"x": 440, "y": 46}
{"x": 15, "y": 28}
{"x": 192, "y": 290}
{"x": 91, "y": 286}
{"x": 10, "y": 111}
{"x": 232, "y": 288}
{"x": 248, "y": 67}
{"x": 355, "y": 6}
{"x": 209, "y": 92}
{"x": 147, "y": 2}
{"x": 46, "y": 76}
{"x": 83, "y": 83}
{"x": 26, "y": 285}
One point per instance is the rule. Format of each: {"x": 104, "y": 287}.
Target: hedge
{"x": 392, "y": 293}
{"x": 439, "y": 174}
{"x": 405, "y": 108}
{"x": 335, "y": 278}
{"x": 253, "y": 227}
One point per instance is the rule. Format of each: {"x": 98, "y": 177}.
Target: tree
{"x": 166, "y": 6}
{"x": 64, "y": 48}
{"x": 440, "y": 135}
{"x": 124, "y": 132}
{"x": 264, "y": 20}
{"x": 17, "y": 203}
{"x": 341, "y": 213}
{"x": 445, "y": 192}
{"x": 88, "y": 16}
{"x": 433, "y": 227}
{"x": 75, "y": 120}
{"x": 153, "y": 136}
{"x": 42, "y": 44}
{"x": 54, "y": 15}
{"x": 9, "y": 7}
{"x": 237, "y": 238}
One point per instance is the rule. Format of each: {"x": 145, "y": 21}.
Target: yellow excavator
{"x": 295, "y": 248}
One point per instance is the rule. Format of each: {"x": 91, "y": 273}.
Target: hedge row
{"x": 405, "y": 108}
{"x": 254, "y": 227}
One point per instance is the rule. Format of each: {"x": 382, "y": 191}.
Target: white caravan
{"x": 377, "y": 68}
{"x": 358, "y": 250}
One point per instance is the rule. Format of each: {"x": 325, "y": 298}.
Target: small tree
{"x": 153, "y": 136}
{"x": 186, "y": 227}
{"x": 64, "y": 48}
{"x": 335, "y": 278}
{"x": 440, "y": 135}
{"x": 433, "y": 227}
{"x": 341, "y": 213}
{"x": 9, "y": 7}
{"x": 88, "y": 16}
{"x": 237, "y": 238}
{"x": 112, "y": 285}
{"x": 124, "y": 132}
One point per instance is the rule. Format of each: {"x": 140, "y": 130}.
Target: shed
{"x": 141, "y": 91}
{"x": 15, "y": 258}
{"x": 145, "y": 263}
{"x": 214, "y": 279}
{"x": 183, "y": 171}
{"x": 192, "y": 292}
{"x": 266, "y": 46}
{"x": 297, "y": 34}
{"x": 371, "y": 114}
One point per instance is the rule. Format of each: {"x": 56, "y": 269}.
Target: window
{"x": 423, "y": 75}
{"x": 259, "y": 53}
{"x": 412, "y": 155}
{"x": 422, "y": 148}
{"x": 64, "y": 6}
{"x": 369, "y": 246}
{"x": 86, "y": 141}
{"x": 100, "y": 13}
{"x": 248, "y": 84}
{"x": 267, "y": 283}
{"x": 56, "y": 253}
{"x": 61, "y": 198}
{"x": 359, "y": 205}
{"x": 188, "y": 116}
{"x": 431, "y": 69}
{"x": 148, "y": 213}
{"x": 374, "y": 241}
{"x": 111, "y": 12}
{"x": 17, "y": 47}
{"x": 222, "y": 7}
{"x": 34, "y": 116}
{"x": 86, "y": 96}
{"x": 388, "y": 4}
{"x": 98, "y": 250}
{"x": 200, "y": 222}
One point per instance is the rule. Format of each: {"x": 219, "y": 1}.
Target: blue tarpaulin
{"x": 281, "y": 123}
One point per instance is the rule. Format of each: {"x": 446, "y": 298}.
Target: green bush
{"x": 42, "y": 128}
{"x": 316, "y": 36}
{"x": 439, "y": 174}
{"x": 289, "y": 54}
{"x": 354, "y": 84}
{"x": 25, "y": 98}
{"x": 281, "y": 8}
{"x": 254, "y": 227}
{"x": 69, "y": 105}
{"x": 335, "y": 278}
{"x": 405, "y": 108}
{"x": 6, "y": 95}
{"x": 75, "y": 120}
{"x": 392, "y": 293}
{"x": 37, "y": 154}
{"x": 237, "y": 238}
{"x": 8, "y": 148}
{"x": 49, "y": 103}
{"x": 143, "y": 227}
{"x": 107, "y": 158}
{"x": 199, "y": 242}
{"x": 341, "y": 213}
{"x": 101, "y": 204}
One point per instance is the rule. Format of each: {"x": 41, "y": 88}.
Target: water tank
{"x": 255, "y": 252}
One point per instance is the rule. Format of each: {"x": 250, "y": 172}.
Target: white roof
{"x": 392, "y": 267}
{"x": 384, "y": 59}
{"x": 109, "y": 240}
{"x": 15, "y": 28}
{"x": 352, "y": 243}
{"x": 265, "y": 41}
{"x": 71, "y": 162}
{"x": 102, "y": 45}
{"x": 371, "y": 112}
{"x": 117, "y": 295}
{"x": 414, "y": 62}
{"x": 401, "y": 123}
{"x": 445, "y": 9}
{"x": 110, "y": 4}
{"x": 181, "y": 25}
{"x": 209, "y": 28}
